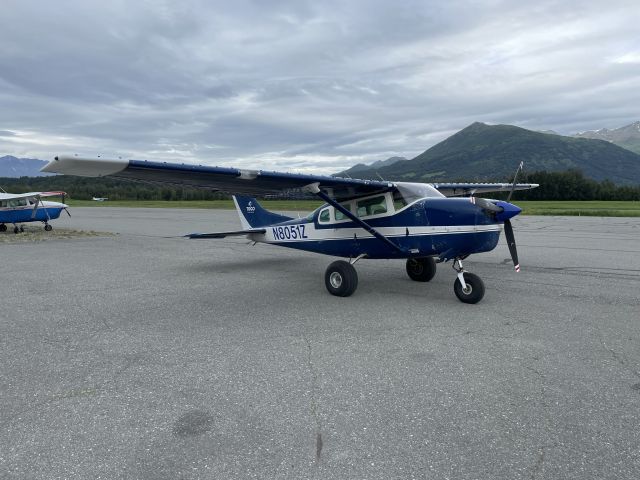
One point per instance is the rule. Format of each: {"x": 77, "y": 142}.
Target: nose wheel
{"x": 48, "y": 227}
{"x": 468, "y": 287}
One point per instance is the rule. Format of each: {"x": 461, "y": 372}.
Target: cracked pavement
{"x": 144, "y": 355}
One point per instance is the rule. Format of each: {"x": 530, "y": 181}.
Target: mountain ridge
{"x": 14, "y": 167}
{"x": 483, "y": 152}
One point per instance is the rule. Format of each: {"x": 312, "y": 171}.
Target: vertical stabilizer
{"x": 252, "y": 215}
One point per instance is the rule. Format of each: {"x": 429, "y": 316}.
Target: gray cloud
{"x": 303, "y": 85}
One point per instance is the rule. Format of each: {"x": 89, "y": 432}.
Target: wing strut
{"x": 314, "y": 188}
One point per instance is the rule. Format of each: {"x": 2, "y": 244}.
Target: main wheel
{"x": 48, "y": 227}
{"x": 21, "y": 228}
{"x": 16, "y": 229}
{"x": 341, "y": 279}
{"x": 3, "y": 227}
{"x": 474, "y": 291}
{"x": 421, "y": 269}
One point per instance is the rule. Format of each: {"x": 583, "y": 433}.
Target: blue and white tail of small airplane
{"x": 19, "y": 208}
{"x": 421, "y": 223}
{"x": 253, "y": 215}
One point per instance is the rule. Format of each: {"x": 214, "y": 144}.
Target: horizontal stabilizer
{"x": 237, "y": 233}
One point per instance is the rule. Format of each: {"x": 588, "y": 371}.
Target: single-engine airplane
{"x": 373, "y": 219}
{"x": 19, "y": 208}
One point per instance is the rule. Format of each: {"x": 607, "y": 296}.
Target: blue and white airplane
{"x": 19, "y": 208}
{"x": 370, "y": 219}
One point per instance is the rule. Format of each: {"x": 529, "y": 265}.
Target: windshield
{"x": 414, "y": 191}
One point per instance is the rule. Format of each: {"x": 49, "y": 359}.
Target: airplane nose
{"x": 509, "y": 210}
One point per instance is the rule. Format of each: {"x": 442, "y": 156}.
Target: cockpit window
{"x": 415, "y": 191}
{"x": 340, "y": 215}
{"x": 371, "y": 206}
{"x": 399, "y": 201}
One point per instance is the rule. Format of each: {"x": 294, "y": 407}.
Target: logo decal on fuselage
{"x": 251, "y": 208}
{"x": 289, "y": 232}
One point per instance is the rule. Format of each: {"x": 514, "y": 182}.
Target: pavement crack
{"x": 619, "y": 358}
{"x": 314, "y": 398}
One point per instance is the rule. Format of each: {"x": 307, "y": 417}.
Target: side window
{"x": 372, "y": 206}
{"x": 398, "y": 201}
{"x": 324, "y": 216}
{"x": 340, "y": 215}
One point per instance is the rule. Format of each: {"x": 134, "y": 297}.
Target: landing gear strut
{"x": 469, "y": 288}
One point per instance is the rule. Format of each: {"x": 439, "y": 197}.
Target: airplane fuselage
{"x": 446, "y": 227}
{"x": 23, "y": 213}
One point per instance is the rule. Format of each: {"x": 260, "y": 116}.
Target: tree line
{"x": 567, "y": 185}
{"x": 573, "y": 185}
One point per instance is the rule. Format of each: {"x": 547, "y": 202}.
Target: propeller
{"x": 508, "y": 229}
{"x": 511, "y": 243}
{"x": 503, "y": 211}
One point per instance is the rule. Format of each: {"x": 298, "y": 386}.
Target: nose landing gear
{"x": 468, "y": 287}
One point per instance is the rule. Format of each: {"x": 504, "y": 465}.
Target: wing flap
{"x": 462, "y": 189}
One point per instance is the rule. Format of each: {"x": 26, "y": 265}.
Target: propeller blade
{"x": 515, "y": 178}
{"x": 511, "y": 243}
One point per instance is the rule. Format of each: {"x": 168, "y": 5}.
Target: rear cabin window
{"x": 371, "y": 206}
{"x": 324, "y": 216}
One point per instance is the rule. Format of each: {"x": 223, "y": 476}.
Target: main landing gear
{"x": 341, "y": 278}
{"x": 3, "y": 227}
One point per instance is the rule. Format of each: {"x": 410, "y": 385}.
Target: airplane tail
{"x": 252, "y": 215}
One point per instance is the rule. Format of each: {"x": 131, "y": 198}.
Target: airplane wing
{"x": 232, "y": 180}
{"x": 12, "y": 196}
{"x": 461, "y": 189}
{"x": 247, "y": 182}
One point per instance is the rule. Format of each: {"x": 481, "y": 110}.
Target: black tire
{"x": 21, "y": 228}
{"x": 341, "y": 279}
{"x": 3, "y": 227}
{"x": 421, "y": 269}
{"x": 475, "y": 287}
{"x": 16, "y": 229}
{"x": 48, "y": 227}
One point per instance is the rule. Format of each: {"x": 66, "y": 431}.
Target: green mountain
{"x": 626, "y": 137}
{"x": 489, "y": 152}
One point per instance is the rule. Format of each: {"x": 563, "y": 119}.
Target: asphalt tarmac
{"x": 148, "y": 356}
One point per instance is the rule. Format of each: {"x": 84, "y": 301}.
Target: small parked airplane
{"x": 99, "y": 199}
{"x": 18, "y": 208}
{"x": 373, "y": 219}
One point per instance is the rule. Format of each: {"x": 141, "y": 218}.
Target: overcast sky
{"x": 312, "y": 86}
